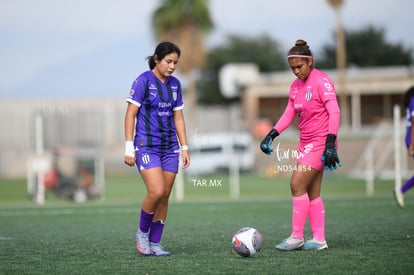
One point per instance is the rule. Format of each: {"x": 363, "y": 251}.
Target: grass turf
{"x": 366, "y": 235}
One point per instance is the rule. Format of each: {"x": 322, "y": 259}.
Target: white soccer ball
{"x": 247, "y": 241}
{"x": 80, "y": 196}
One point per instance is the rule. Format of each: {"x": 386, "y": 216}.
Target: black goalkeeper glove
{"x": 266, "y": 143}
{"x": 330, "y": 156}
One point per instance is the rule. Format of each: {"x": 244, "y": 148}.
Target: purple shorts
{"x": 146, "y": 159}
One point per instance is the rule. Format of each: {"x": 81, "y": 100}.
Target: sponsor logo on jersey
{"x": 298, "y": 106}
{"x": 164, "y": 113}
{"x": 164, "y": 105}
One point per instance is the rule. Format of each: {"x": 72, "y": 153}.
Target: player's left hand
{"x": 330, "y": 156}
{"x": 186, "y": 158}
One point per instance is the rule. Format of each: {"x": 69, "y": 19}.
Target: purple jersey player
{"x": 408, "y": 104}
{"x": 155, "y": 115}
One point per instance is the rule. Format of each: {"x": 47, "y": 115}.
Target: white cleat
{"x": 291, "y": 243}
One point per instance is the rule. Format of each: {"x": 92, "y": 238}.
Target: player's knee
{"x": 156, "y": 194}
{"x": 293, "y": 186}
{"x": 296, "y": 188}
{"x": 164, "y": 201}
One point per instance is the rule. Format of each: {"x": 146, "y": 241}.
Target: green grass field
{"x": 366, "y": 235}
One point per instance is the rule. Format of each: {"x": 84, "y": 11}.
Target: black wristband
{"x": 273, "y": 133}
{"x": 330, "y": 138}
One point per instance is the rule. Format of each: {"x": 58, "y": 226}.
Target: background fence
{"x": 91, "y": 123}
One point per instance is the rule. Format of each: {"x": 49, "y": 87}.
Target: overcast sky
{"x": 60, "y": 48}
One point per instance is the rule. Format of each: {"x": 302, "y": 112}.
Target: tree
{"x": 367, "y": 48}
{"x": 184, "y": 22}
{"x": 341, "y": 60}
{"x": 262, "y": 50}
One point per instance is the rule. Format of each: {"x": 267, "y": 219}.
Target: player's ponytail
{"x": 151, "y": 62}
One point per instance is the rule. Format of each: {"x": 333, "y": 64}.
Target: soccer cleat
{"x": 399, "y": 198}
{"x": 158, "y": 250}
{"x": 142, "y": 243}
{"x": 315, "y": 245}
{"x": 290, "y": 243}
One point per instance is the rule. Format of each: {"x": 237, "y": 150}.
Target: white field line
{"x": 5, "y": 238}
{"x": 63, "y": 211}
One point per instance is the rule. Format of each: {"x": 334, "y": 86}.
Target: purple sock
{"x": 156, "y": 231}
{"x": 145, "y": 221}
{"x": 407, "y": 185}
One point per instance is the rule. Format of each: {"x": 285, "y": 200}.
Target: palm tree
{"x": 184, "y": 22}
{"x": 341, "y": 60}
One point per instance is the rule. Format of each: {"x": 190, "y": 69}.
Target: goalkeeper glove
{"x": 267, "y": 142}
{"x": 330, "y": 156}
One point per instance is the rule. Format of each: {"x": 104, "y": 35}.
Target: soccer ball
{"x": 247, "y": 241}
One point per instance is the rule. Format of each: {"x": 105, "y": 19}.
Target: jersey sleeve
{"x": 137, "y": 91}
{"x": 334, "y": 116}
{"x": 287, "y": 117}
{"x": 179, "y": 104}
{"x": 329, "y": 98}
{"x": 411, "y": 107}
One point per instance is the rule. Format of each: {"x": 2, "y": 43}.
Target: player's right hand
{"x": 130, "y": 161}
{"x": 266, "y": 143}
{"x": 129, "y": 158}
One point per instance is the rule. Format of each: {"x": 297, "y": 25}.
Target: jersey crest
{"x": 308, "y": 95}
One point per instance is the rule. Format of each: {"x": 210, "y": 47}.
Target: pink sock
{"x": 300, "y": 212}
{"x": 317, "y": 218}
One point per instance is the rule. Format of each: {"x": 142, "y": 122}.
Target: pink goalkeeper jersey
{"x": 314, "y": 102}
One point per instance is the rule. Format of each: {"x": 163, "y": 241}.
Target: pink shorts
{"x": 311, "y": 153}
